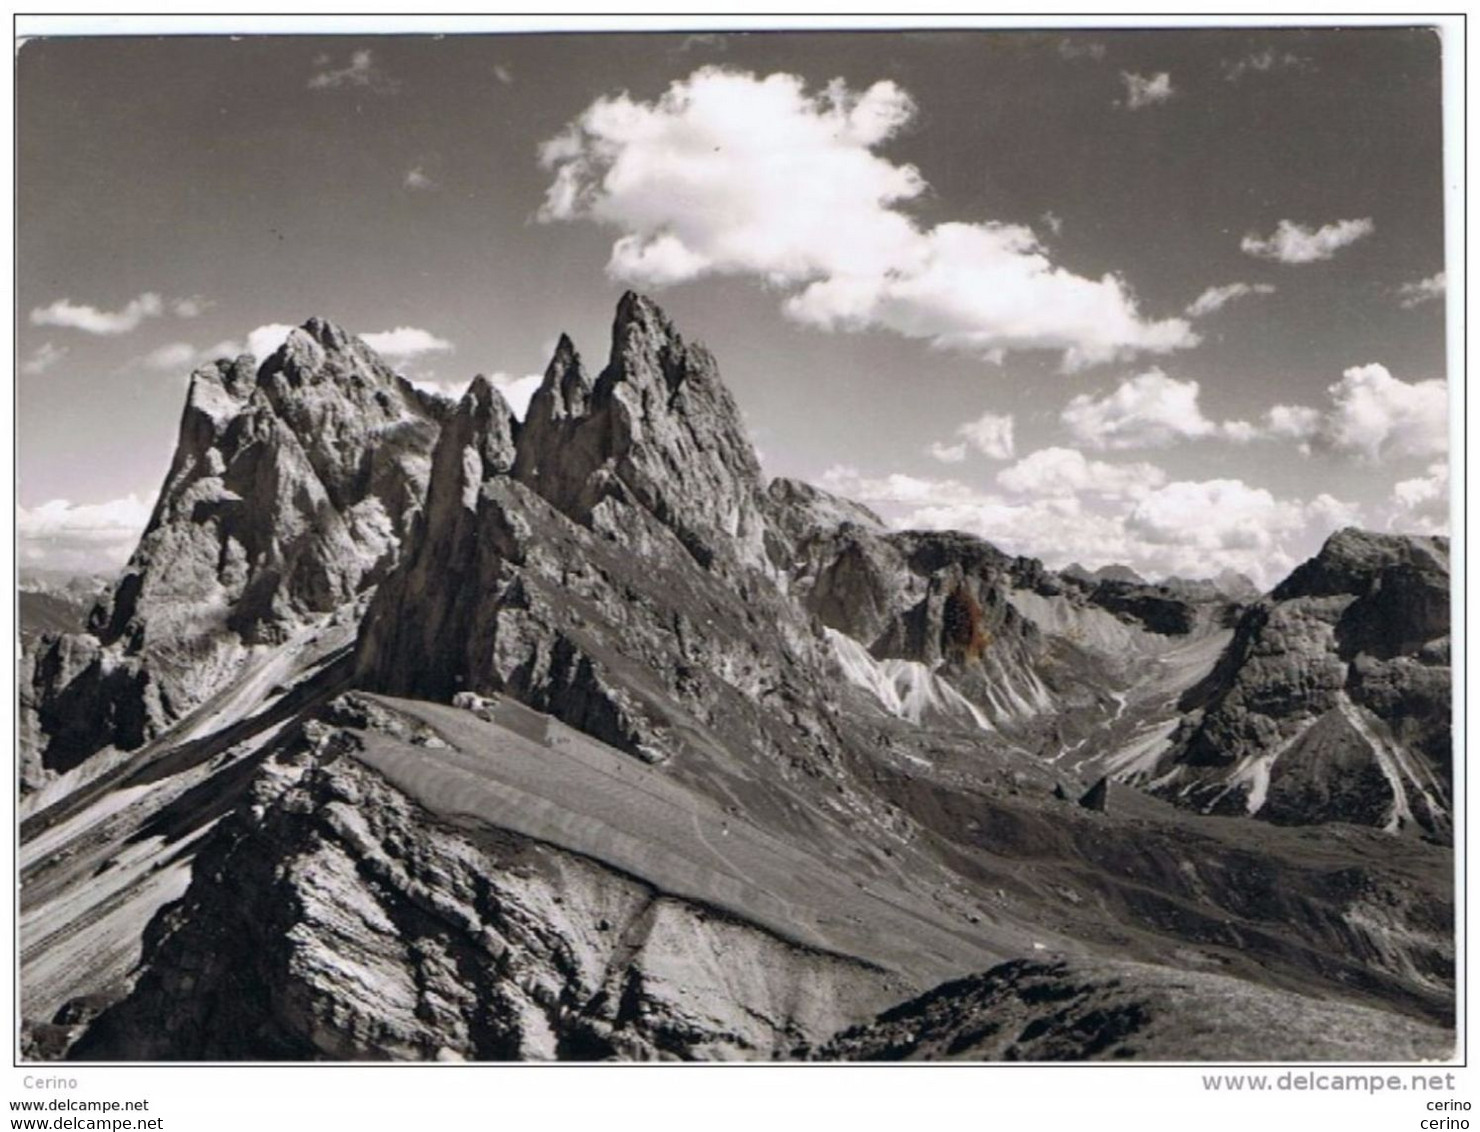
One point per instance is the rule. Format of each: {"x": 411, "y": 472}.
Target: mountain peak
{"x": 327, "y": 334}
{"x": 657, "y": 429}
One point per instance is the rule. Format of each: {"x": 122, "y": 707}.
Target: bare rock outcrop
{"x": 333, "y": 918}
{"x": 605, "y": 562}
{"x": 1332, "y": 703}
{"x": 1034, "y": 1010}
{"x": 291, "y": 488}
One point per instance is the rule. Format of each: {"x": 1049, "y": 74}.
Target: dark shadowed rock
{"x": 1096, "y": 1010}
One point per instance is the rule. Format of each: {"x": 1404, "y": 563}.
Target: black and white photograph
{"x": 756, "y": 544}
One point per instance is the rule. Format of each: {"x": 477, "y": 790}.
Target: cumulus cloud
{"x": 1061, "y": 507}
{"x": 1421, "y": 505}
{"x": 171, "y": 356}
{"x": 43, "y": 358}
{"x": 418, "y": 180}
{"x": 264, "y": 341}
{"x": 360, "y": 73}
{"x": 1422, "y": 291}
{"x": 1295, "y": 243}
{"x": 947, "y": 453}
{"x": 990, "y": 434}
{"x": 91, "y": 320}
{"x": 1216, "y": 298}
{"x": 70, "y": 536}
{"x": 1150, "y": 410}
{"x": 1372, "y": 416}
{"x": 516, "y": 390}
{"x": 405, "y": 342}
{"x": 1146, "y": 90}
{"x": 1227, "y": 514}
{"x": 730, "y": 174}
{"x": 1066, "y": 471}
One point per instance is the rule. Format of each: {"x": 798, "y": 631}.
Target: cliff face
{"x": 290, "y": 491}
{"x": 1332, "y": 703}
{"x": 605, "y": 562}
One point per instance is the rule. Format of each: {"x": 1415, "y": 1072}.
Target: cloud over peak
{"x": 405, "y": 342}
{"x": 728, "y": 173}
{"x": 1295, "y": 243}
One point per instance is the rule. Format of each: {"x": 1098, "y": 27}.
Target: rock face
{"x": 657, "y": 431}
{"x": 1332, "y": 703}
{"x": 606, "y": 563}
{"x": 478, "y": 945}
{"x": 291, "y": 488}
{"x": 1100, "y": 1011}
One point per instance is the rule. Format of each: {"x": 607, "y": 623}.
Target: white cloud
{"x": 405, "y": 342}
{"x": 896, "y": 488}
{"x": 1421, "y": 505}
{"x": 990, "y": 434}
{"x": 1227, "y": 514}
{"x": 43, "y": 358}
{"x": 79, "y": 316}
{"x": 1054, "y": 223}
{"x": 360, "y": 73}
{"x": 263, "y": 342}
{"x": 1060, "y": 507}
{"x": 1372, "y": 416}
{"x": 947, "y": 453}
{"x": 1066, "y": 471}
{"x": 1146, "y": 90}
{"x": 517, "y": 391}
{"x": 1295, "y": 243}
{"x": 1216, "y": 298}
{"x": 1150, "y": 410}
{"x": 418, "y": 180}
{"x": 503, "y": 74}
{"x": 453, "y": 390}
{"x": 171, "y": 356}
{"x": 193, "y": 307}
{"x": 730, "y": 174}
{"x": 1424, "y": 290}
{"x": 83, "y": 536}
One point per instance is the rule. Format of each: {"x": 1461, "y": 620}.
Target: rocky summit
{"x": 414, "y": 730}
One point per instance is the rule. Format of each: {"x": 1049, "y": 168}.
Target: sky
{"x": 1169, "y": 298}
